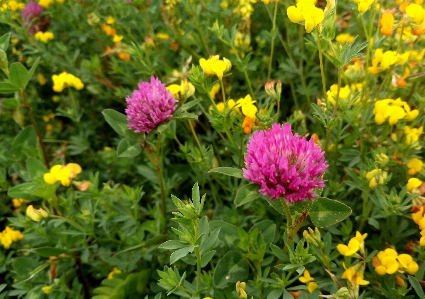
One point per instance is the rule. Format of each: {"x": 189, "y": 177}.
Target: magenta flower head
{"x": 31, "y": 11}
{"x": 284, "y": 164}
{"x": 149, "y": 106}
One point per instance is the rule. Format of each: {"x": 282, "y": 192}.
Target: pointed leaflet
{"x": 325, "y": 212}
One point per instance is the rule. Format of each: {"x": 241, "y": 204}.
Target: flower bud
{"x": 36, "y": 215}
{"x": 240, "y": 290}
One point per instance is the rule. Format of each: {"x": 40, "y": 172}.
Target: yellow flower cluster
{"x": 393, "y": 111}
{"x": 307, "y": 12}
{"x": 384, "y": 60}
{"x": 389, "y": 261}
{"x": 215, "y": 66}
{"x": 183, "y": 91}
{"x": 355, "y": 244}
{"x": 376, "y": 177}
{"x": 346, "y": 94}
{"x": 309, "y": 281}
{"x": 47, "y": 3}
{"x": 415, "y": 166}
{"x": 412, "y": 134}
{"x": 363, "y": 5}
{"x": 344, "y": 38}
{"x": 64, "y": 80}
{"x": 12, "y": 5}
{"x": 244, "y": 9}
{"x": 355, "y": 275}
{"x": 412, "y": 186}
{"x": 9, "y": 235}
{"x": 44, "y": 37}
{"x": 63, "y": 174}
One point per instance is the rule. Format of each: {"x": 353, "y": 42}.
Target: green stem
{"x": 198, "y": 256}
{"x": 291, "y": 227}
{"x": 272, "y": 43}
{"x": 24, "y": 98}
{"x": 322, "y": 69}
{"x": 194, "y": 135}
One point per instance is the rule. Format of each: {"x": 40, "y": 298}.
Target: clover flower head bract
{"x": 149, "y": 106}
{"x": 284, "y": 164}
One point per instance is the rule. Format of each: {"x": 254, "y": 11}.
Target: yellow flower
{"x": 311, "y": 286}
{"x": 407, "y": 264}
{"x": 376, "y": 177}
{"x": 306, "y": 11}
{"x": 412, "y": 135}
{"x": 387, "y": 262}
{"x": 64, "y": 174}
{"x": 187, "y": 89}
{"x": 363, "y": 5}
{"x": 163, "y": 36}
{"x": 41, "y": 79}
{"x": 9, "y": 235}
{"x": 110, "y": 20}
{"x": 214, "y": 90}
{"x": 354, "y": 275}
{"x": 418, "y": 215}
{"x": 36, "y": 215}
{"x": 416, "y": 12}
{"x": 350, "y": 249}
{"x": 45, "y": 3}
{"x": 247, "y": 105}
{"x": 413, "y": 184}
{"x": 114, "y": 271}
{"x": 215, "y": 66}
{"x": 422, "y": 240}
{"x": 64, "y": 80}
{"x": 47, "y": 289}
{"x": 44, "y": 37}
{"x": 387, "y": 24}
{"x": 117, "y": 38}
{"x": 344, "y": 38}
{"x": 415, "y": 166}
{"x": 174, "y": 89}
{"x": 306, "y": 278}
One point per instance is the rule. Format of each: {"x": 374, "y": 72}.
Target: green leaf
{"x": 172, "y": 245}
{"x": 25, "y": 141}
{"x": 267, "y": 228}
{"x": 209, "y": 243}
{"x": 4, "y": 63}
{"x": 10, "y": 103}
{"x": 6, "y": 87}
{"x": 416, "y": 286}
{"x": 36, "y": 168}
{"x": 246, "y": 194}
{"x": 24, "y": 190}
{"x": 206, "y": 258}
{"x": 228, "y": 232}
{"x": 230, "y": 171}
{"x": 176, "y": 255}
{"x": 18, "y": 75}
{"x": 277, "y": 205}
{"x": 4, "y": 41}
{"x": 230, "y": 269}
{"x": 128, "y": 148}
{"x": 275, "y": 294}
{"x": 119, "y": 123}
{"x": 49, "y": 251}
{"x": 187, "y": 106}
{"x": 33, "y": 68}
{"x": 186, "y": 115}
{"x": 325, "y": 212}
